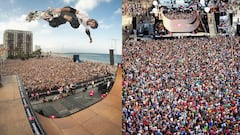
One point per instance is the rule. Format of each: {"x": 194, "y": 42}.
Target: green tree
{"x": 38, "y": 52}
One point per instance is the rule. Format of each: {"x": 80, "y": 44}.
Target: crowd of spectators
{"x": 181, "y": 86}
{"x": 160, "y": 29}
{"x": 58, "y": 73}
{"x": 133, "y": 8}
{"x": 178, "y": 15}
{"x": 0, "y": 80}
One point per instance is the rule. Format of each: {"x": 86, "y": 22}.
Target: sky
{"x": 64, "y": 38}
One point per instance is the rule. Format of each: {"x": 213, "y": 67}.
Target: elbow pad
{"x": 72, "y": 10}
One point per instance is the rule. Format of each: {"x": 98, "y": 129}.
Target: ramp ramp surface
{"x": 102, "y": 118}
{"x": 181, "y": 25}
{"x": 13, "y": 119}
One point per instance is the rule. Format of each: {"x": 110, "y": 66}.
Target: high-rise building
{"x": 18, "y": 42}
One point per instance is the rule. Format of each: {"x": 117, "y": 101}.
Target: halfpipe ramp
{"x": 181, "y": 25}
{"x": 13, "y": 119}
{"x": 102, "y": 118}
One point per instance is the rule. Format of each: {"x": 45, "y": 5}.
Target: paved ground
{"x": 102, "y": 118}
{"x": 13, "y": 119}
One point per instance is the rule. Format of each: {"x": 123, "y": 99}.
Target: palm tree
{"x": 38, "y": 52}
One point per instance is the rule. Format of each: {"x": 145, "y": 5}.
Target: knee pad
{"x": 57, "y": 21}
{"x": 53, "y": 24}
{"x": 75, "y": 24}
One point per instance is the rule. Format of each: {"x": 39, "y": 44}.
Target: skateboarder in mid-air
{"x": 59, "y": 16}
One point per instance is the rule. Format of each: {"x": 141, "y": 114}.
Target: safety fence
{"x": 32, "y": 118}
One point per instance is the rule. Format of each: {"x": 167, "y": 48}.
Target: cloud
{"x": 118, "y": 11}
{"x": 89, "y": 5}
{"x": 12, "y": 1}
{"x": 45, "y": 31}
{"x": 18, "y": 23}
{"x": 102, "y": 25}
{"x": 68, "y": 1}
{"x": 106, "y": 26}
{"x": 86, "y": 5}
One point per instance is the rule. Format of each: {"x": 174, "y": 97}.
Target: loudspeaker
{"x": 216, "y": 14}
{"x": 76, "y": 58}
{"x": 231, "y": 18}
{"x": 134, "y": 23}
{"x": 238, "y": 29}
{"x": 111, "y": 57}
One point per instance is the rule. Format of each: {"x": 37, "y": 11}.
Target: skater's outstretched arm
{"x": 89, "y": 35}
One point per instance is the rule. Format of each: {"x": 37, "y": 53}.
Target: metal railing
{"x": 54, "y": 91}
{"x": 37, "y": 128}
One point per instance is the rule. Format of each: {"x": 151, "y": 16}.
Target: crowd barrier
{"x": 32, "y": 118}
{"x": 87, "y": 83}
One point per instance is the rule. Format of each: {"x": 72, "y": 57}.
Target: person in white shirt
{"x": 86, "y": 21}
{"x": 108, "y": 84}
